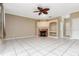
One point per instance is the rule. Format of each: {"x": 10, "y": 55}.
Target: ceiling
{"x": 26, "y": 9}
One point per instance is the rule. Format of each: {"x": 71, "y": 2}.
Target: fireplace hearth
{"x": 43, "y": 32}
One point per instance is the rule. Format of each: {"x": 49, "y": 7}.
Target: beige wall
{"x": 75, "y": 25}
{"x": 42, "y": 24}
{"x": 75, "y": 15}
{"x": 16, "y": 26}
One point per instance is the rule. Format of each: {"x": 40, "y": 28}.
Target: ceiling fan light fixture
{"x": 42, "y": 10}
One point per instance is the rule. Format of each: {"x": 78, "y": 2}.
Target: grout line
{"x": 55, "y": 41}
{"x": 68, "y": 48}
{"x": 33, "y": 48}
{"x": 56, "y": 48}
{"x": 23, "y": 47}
{"x": 14, "y": 50}
{"x": 39, "y": 51}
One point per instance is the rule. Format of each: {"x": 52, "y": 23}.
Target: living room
{"x": 39, "y": 29}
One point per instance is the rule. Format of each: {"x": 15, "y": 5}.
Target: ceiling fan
{"x": 42, "y": 10}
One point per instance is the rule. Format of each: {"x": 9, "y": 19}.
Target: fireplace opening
{"x": 43, "y": 33}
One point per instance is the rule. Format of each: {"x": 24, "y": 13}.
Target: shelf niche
{"x": 53, "y": 28}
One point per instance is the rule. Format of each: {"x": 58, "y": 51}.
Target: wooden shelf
{"x": 53, "y": 28}
{"x": 52, "y": 31}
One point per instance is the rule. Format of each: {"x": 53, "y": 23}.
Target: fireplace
{"x": 43, "y": 32}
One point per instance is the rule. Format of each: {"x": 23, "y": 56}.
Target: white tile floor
{"x": 40, "y": 47}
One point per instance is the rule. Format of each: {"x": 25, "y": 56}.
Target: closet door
{"x": 67, "y": 27}
{"x": 75, "y": 28}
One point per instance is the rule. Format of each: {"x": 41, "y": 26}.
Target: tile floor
{"x": 40, "y": 47}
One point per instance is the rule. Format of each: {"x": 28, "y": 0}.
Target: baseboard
{"x": 0, "y": 41}
{"x": 53, "y": 37}
{"x": 30, "y": 36}
{"x": 75, "y": 38}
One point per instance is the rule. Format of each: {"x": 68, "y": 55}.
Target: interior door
{"x": 67, "y": 27}
{"x": 75, "y": 28}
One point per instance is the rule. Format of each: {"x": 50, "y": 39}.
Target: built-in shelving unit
{"x": 53, "y": 28}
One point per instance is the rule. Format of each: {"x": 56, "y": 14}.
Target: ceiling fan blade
{"x": 46, "y": 9}
{"x": 45, "y": 12}
{"x": 39, "y": 8}
{"x": 40, "y": 13}
{"x": 36, "y": 11}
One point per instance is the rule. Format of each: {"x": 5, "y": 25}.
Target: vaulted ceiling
{"x": 26, "y": 9}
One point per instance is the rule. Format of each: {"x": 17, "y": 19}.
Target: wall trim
{"x": 0, "y": 41}
{"x": 30, "y": 36}
{"x": 74, "y": 38}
